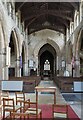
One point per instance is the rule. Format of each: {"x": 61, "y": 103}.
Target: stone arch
{"x": 79, "y": 53}
{"x": 15, "y": 53}
{"x": 17, "y": 40}
{"x": 51, "y": 42}
{"x": 78, "y": 43}
{"x": 54, "y": 45}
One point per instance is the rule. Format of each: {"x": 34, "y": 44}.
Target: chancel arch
{"x": 54, "y": 46}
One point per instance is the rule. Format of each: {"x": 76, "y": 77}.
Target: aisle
{"x": 47, "y": 98}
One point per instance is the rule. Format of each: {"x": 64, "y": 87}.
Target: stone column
{"x": 17, "y": 69}
{"x": 37, "y": 66}
{"x": 57, "y": 67}
{"x": 54, "y": 66}
{"x": 81, "y": 11}
{"x": 6, "y": 75}
{"x": 25, "y": 69}
{"x": 1, "y": 66}
{"x": 77, "y": 68}
{"x": 77, "y": 18}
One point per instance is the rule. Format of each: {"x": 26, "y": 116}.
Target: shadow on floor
{"x": 71, "y": 97}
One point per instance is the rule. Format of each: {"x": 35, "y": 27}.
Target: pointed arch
{"x": 51, "y": 42}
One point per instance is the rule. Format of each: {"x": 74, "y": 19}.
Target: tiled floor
{"x": 48, "y": 98}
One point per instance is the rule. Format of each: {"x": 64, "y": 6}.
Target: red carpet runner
{"x": 47, "y": 113}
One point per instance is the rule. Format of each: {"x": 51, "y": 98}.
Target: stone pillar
{"x": 54, "y": 66}
{"x": 77, "y": 68}
{"x": 57, "y": 66}
{"x": 1, "y": 66}
{"x": 67, "y": 34}
{"x": 37, "y": 66}
{"x": 77, "y": 18}
{"x": 81, "y": 11}
{"x": 16, "y": 18}
{"x": 6, "y": 75}
{"x": 65, "y": 48}
{"x": 70, "y": 28}
{"x": 17, "y": 69}
{"x": 25, "y": 69}
{"x": 10, "y": 8}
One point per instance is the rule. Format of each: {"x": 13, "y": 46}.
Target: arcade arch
{"x": 14, "y": 69}
{"x": 79, "y": 54}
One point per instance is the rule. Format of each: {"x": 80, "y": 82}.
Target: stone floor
{"x": 47, "y": 98}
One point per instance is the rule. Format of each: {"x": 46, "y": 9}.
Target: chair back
{"x": 60, "y": 111}
{"x": 4, "y": 94}
{"x": 8, "y": 104}
{"x": 20, "y": 96}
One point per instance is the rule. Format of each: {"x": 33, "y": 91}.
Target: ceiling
{"x": 47, "y": 15}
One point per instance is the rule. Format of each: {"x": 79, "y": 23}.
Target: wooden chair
{"x": 4, "y": 94}
{"x": 0, "y": 112}
{"x": 60, "y": 111}
{"x": 32, "y": 110}
{"x": 0, "y": 106}
{"x": 10, "y": 107}
{"x": 20, "y": 99}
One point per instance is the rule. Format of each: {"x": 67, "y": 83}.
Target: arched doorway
{"x": 47, "y": 53}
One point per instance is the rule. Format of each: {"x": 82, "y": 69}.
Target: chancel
{"x": 41, "y": 51}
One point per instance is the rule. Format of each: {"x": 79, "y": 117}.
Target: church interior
{"x": 41, "y": 59}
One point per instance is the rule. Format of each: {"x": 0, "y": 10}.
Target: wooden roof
{"x": 47, "y": 15}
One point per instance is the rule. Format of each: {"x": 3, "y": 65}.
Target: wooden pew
{"x": 29, "y": 82}
{"x": 66, "y": 84}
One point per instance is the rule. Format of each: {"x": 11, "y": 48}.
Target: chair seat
{"x": 60, "y": 115}
{"x": 11, "y": 108}
{"x": 32, "y": 111}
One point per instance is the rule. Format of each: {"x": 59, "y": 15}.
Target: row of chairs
{"x": 22, "y": 107}
{"x": 25, "y": 108}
